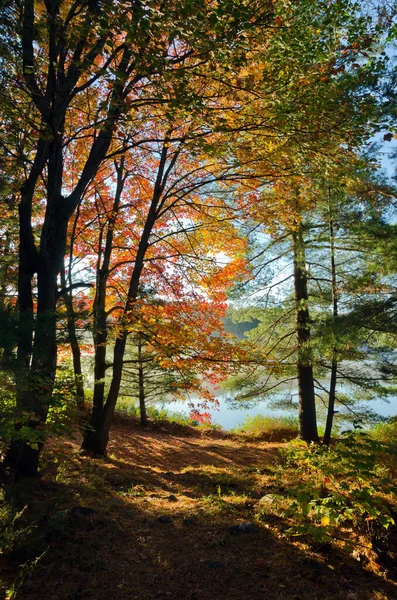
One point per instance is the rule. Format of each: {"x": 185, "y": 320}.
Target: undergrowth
{"x": 161, "y": 415}
{"x": 341, "y": 489}
{"x": 260, "y": 425}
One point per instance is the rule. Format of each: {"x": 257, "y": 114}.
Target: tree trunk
{"x": 21, "y": 457}
{"x": 35, "y": 395}
{"x": 141, "y": 387}
{"x": 331, "y": 403}
{"x": 37, "y": 344}
{"x": 6, "y": 310}
{"x": 307, "y": 404}
{"x": 37, "y": 356}
{"x": 334, "y": 362}
{"x": 97, "y": 435}
{"x": 74, "y": 342}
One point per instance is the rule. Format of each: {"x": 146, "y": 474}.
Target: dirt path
{"x": 153, "y": 522}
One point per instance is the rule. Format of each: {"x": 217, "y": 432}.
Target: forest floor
{"x": 171, "y": 513}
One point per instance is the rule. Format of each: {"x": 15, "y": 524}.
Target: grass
{"x": 268, "y": 428}
{"x": 386, "y": 432}
{"x": 89, "y": 528}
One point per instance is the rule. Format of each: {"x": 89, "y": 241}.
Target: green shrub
{"x": 345, "y": 484}
{"x": 61, "y": 413}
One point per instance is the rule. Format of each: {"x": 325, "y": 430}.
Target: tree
{"x": 180, "y": 222}
{"x": 175, "y": 350}
{"x": 333, "y": 256}
{"x": 292, "y": 133}
{"x": 112, "y": 53}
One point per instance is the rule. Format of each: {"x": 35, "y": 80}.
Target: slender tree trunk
{"x": 334, "y": 361}
{"x": 97, "y": 435}
{"x": 331, "y": 402}
{"x": 73, "y": 340}
{"x": 307, "y": 404}
{"x": 27, "y": 267}
{"x": 141, "y": 387}
{"x": 94, "y": 436}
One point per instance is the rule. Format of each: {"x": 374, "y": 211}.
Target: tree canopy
{"x": 163, "y": 161}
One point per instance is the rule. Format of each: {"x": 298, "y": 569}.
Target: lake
{"x": 229, "y": 417}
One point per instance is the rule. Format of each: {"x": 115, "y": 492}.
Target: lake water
{"x": 228, "y": 416}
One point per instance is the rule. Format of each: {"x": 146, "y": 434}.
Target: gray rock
{"x": 164, "y": 519}
{"x": 243, "y": 528}
{"x": 270, "y": 500}
{"x": 213, "y": 564}
{"x": 164, "y": 430}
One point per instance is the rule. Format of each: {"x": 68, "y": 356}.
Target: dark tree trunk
{"x": 35, "y": 389}
{"x": 37, "y": 344}
{"x": 73, "y": 340}
{"x": 141, "y": 386}
{"x": 331, "y": 403}
{"x": 35, "y": 394}
{"x": 22, "y": 458}
{"x": 7, "y": 333}
{"x": 307, "y": 404}
{"x": 27, "y": 267}
{"x": 97, "y": 435}
{"x": 4, "y": 270}
{"x": 334, "y": 362}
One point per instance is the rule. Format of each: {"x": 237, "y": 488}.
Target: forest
{"x": 198, "y": 199}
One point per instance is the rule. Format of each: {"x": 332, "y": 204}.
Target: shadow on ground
{"x": 96, "y": 534}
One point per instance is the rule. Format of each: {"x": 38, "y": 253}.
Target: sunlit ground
{"x": 153, "y": 521}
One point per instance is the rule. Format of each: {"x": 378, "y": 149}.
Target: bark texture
{"x": 307, "y": 404}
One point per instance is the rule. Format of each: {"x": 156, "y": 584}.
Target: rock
{"x": 164, "y": 519}
{"x": 213, "y": 564}
{"x": 187, "y": 521}
{"x": 83, "y": 510}
{"x": 243, "y": 528}
{"x": 164, "y": 430}
{"x": 270, "y": 500}
{"x": 172, "y": 498}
